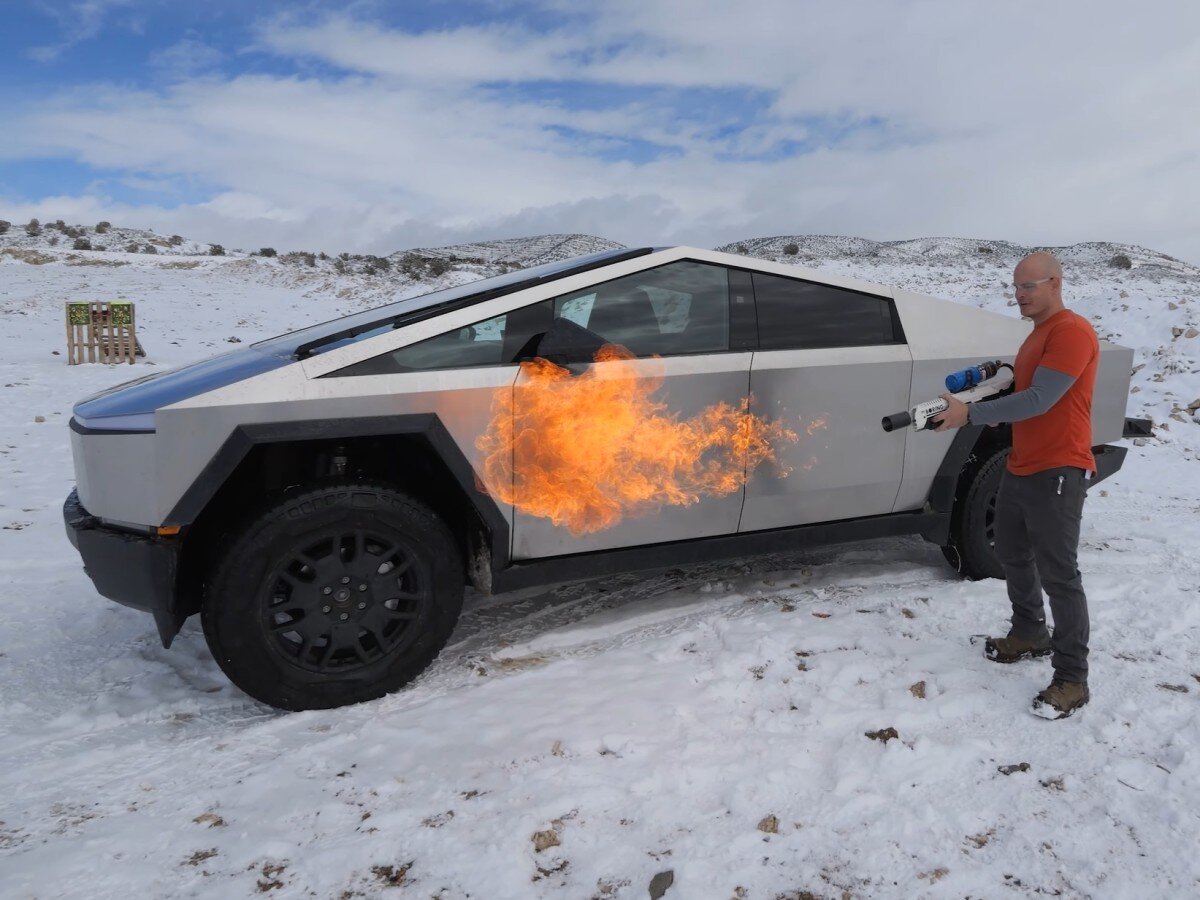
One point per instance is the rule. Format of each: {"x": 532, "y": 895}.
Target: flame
{"x": 586, "y": 451}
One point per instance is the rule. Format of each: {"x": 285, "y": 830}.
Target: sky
{"x": 370, "y": 126}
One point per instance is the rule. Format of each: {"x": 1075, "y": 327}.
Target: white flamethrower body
{"x": 922, "y": 415}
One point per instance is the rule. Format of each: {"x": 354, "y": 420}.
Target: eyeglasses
{"x": 1030, "y": 285}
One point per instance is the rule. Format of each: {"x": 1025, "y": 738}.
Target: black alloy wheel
{"x": 345, "y": 599}
{"x": 333, "y": 596}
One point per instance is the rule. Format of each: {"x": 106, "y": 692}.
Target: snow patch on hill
{"x": 520, "y": 252}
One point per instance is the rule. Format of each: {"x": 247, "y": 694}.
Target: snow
{"x": 637, "y": 724}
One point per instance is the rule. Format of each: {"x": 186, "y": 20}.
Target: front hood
{"x": 131, "y": 406}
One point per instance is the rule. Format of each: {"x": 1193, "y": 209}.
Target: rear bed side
{"x": 945, "y": 336}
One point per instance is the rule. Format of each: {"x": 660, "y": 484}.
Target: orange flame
{"x": 586, "y": 451}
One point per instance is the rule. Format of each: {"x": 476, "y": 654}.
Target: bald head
{"x": 1038, "y": 286}
{"x": 1040, "y": 264}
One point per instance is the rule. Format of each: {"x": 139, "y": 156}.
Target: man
{"x": 1040, "y": 501}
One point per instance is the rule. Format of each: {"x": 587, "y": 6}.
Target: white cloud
{"x": 187, "y": 57}
{"x": 468, "y": 54}
{"x": 1036, "y": 123}
{"x": 79, "y": 20}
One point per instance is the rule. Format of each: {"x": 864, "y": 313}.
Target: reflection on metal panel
{"x": 1111, "y": 394}
{"x": 114, "y": 475}
{"x": 843, "y": 466}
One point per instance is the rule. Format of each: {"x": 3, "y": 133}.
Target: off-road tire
{"x": 972, "y": 530}
{"x": 333, "y": 595}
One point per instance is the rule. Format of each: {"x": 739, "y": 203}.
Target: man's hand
{"x": 955, "y": 415}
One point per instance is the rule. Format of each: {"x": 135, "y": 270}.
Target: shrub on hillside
{"x": 216, "y": 250}
{"x": 150, "y": 248}
{"x": 71, "y": 231}
{"x": 34, "y": 228}
{"x": 984, "y": 249}
{"x": 267, "y": 251}
{"x": 131, "y": 247}
{"x": 438, "y": 267}
{"x": 102, "y": 227}
{"x": 376, "y": 264}
{"x": 742, "y": 250}
{"x": 1121, "y": 261}
{"x": 60, "y": 224}
{"x": 175, "y": 240}
{"x": 53, "y": 242}
{"x": 4, "y": 226}
{"x": 791, "y": 250}
{"x": 412, "y": 265}
{"x": 82, "y": 243}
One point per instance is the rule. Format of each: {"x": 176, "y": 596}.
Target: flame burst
{"x": 586, "y": 451}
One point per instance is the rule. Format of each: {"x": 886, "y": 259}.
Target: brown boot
{"x": 1061, "y": 699}
{"x": 1011, "y": 649}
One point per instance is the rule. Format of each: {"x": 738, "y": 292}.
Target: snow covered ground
{"x": 580, "y": 741}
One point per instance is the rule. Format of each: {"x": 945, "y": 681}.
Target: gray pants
{"x": 1037, "y": 536}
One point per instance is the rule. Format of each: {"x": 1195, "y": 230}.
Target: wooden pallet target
{"x": 102, "y": 332}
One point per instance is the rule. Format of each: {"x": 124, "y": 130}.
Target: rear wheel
{"x": 972, "y": 548}
{"x": 334, "y": 596}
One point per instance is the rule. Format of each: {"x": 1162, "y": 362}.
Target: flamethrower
{"x": 981, "y": 382}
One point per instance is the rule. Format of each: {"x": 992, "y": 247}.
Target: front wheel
{"x": 334, "y": 596}
{"x": 973, "y": 529}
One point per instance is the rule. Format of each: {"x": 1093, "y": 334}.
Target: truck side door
{"x": 831, "y": 361}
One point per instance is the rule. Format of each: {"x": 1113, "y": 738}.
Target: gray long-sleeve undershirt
{"x": 1046, "y": 389}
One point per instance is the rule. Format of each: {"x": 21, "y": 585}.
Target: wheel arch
{"x": 973, "y": 445}
{"x": 258, "y": 462}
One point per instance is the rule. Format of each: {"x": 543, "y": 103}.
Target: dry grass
{"x": 33, "y": 257}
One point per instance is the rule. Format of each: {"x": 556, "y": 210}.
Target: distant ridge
{"x": 115, "y": 245}
{"x": 814, "y": 247}
{"x": 521, "y": 252}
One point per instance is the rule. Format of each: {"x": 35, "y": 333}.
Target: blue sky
{"x": 374, "y": 126}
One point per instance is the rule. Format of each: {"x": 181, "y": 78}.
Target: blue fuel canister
{"x": 968, "y": 378}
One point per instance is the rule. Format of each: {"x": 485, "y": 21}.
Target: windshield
{"x": 370, "y": 322}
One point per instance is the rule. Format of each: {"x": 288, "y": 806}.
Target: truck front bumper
{"x": 135, "y": 570}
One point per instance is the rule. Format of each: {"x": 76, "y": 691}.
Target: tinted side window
{"x": 493, "y": 342}
{"x": 800, "y": 314}
{"x": 679, "y": 308}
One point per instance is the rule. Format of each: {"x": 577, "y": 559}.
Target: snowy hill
{"x": 520, "y": 253}
{"x": 102, "y": 236}
{"x": 963, "y": 251}
{"x": 581, "y": 741}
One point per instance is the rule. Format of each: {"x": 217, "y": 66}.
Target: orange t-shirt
{"x": 1061, "y": 436}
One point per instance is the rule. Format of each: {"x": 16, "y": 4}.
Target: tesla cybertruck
{"x": 322, "y": 498}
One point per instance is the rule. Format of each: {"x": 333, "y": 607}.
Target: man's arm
{"x": 1046, "y": 389}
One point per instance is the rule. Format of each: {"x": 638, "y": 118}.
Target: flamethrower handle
{"x": 921, "y": 416}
